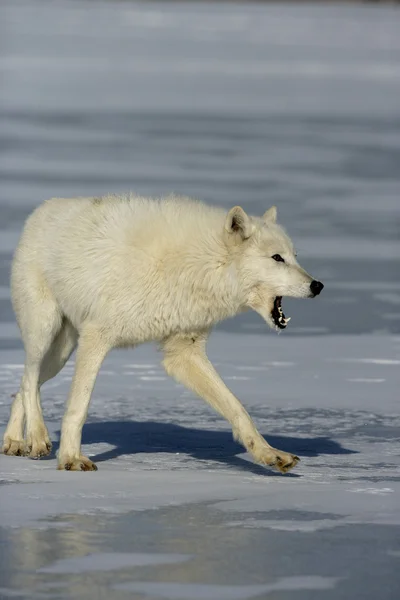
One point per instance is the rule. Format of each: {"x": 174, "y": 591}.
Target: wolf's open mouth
{"x": 277, "y": 314}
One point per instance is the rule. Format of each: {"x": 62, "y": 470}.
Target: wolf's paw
{"x": 14, "y": 447}
{"x": 77, "y": 464}
{"x": 38, "y": 443}
{"x": 283, "y": 461}
{"x": 39, "y": 448}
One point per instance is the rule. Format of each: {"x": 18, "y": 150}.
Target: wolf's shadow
{"x": 132, "y": 437}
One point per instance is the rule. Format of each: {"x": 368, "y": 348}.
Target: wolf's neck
{"x": 209, "y": 267}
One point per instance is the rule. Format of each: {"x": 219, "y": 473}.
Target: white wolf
{"x": 99, "y": 273}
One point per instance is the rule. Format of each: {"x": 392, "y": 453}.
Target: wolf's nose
{"x": 316, "y": 287}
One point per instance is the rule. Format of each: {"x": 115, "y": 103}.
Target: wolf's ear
{"x": 270, "y": 215}
{"x": 237, "y": 221}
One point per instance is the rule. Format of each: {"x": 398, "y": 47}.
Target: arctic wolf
{"x": 99, "y": 273}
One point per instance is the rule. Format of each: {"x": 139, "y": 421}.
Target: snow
{"x": 159, "y": 449}
{"x": 236, "y": 104}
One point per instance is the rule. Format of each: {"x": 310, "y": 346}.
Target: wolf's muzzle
{"x": 316, "y": 287}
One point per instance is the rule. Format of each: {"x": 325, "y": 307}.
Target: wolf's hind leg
{"x": 40, "y": 322}
{"x": 185, "y": 359}
{"x": 37, "y": 342}
{"x": 55, "y": 358}
{"x": 14, "y": 444}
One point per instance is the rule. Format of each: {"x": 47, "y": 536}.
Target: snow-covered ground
{"x": 252, "y": 105}
{"x": 332, "y": 400}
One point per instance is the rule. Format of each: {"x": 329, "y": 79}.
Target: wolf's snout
{"x": 316, "y": 287}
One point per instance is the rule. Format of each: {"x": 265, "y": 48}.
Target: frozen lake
{"x": 235, "y": 104}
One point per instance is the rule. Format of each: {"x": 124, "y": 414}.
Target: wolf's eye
{"x": 278, "y": 258}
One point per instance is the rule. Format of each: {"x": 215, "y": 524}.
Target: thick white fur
{"x": 122, "y": 270}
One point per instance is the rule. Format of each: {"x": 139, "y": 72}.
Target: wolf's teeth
{"x": 287, "y": 320}
{"x": 280, "y": 309}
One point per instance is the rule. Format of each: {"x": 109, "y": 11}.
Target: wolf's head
{"x": 266, "y": 265}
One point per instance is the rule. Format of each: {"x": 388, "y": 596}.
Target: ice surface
{"x": 172, "y": 480}
{"x": 263, "y": 104}
{"x": 116, "y": 560}
{"x": 182, "y": 591}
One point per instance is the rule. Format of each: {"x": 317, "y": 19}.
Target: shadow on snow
{"x": 132, "y": 437}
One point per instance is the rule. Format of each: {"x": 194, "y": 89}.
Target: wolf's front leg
{"x": 185, "y": 359}
{"x": 92, "y": 349}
